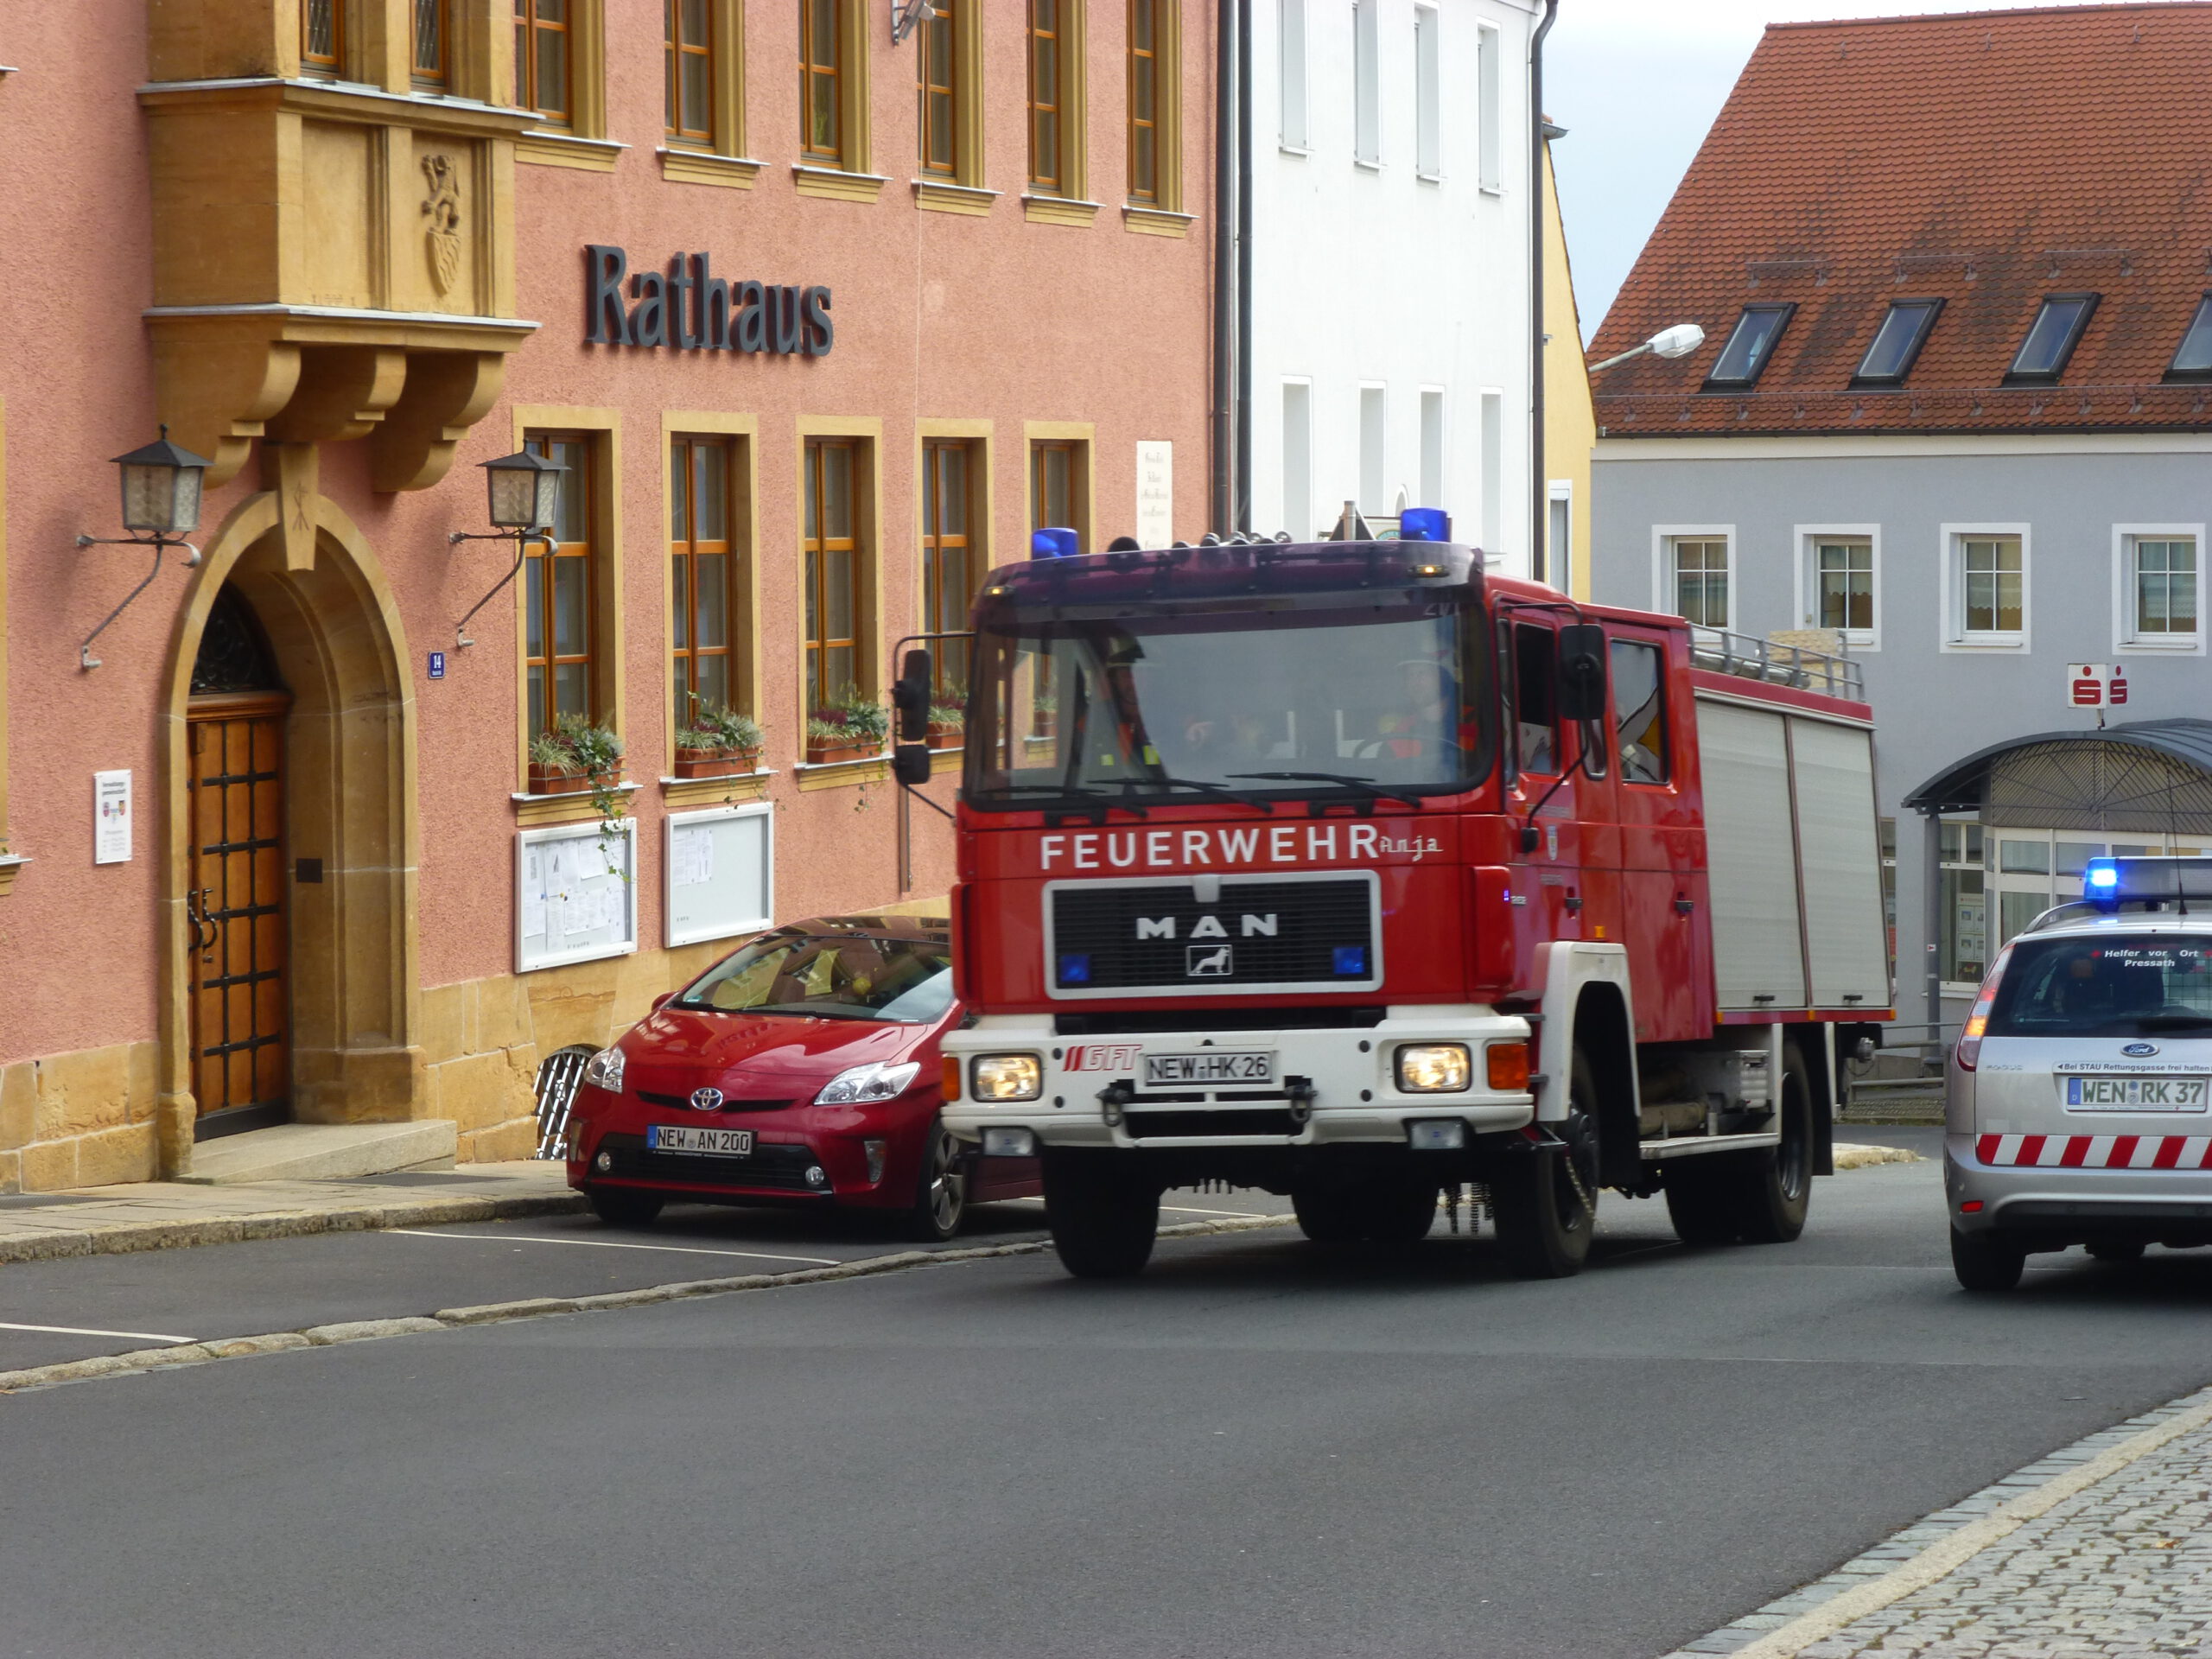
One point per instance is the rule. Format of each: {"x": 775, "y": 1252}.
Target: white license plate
{"x": 715, "y": 1143}
{"x": 1226, "y": 1067}
{"x": 2135, "y": 1093}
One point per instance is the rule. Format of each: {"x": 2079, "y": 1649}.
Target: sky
{"x": 1636, "y": 83}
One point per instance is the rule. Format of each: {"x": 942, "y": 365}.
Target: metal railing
{"x": 1748, "y": 657}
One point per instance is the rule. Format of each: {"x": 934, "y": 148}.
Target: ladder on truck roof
{"x": 1748, "y": 657}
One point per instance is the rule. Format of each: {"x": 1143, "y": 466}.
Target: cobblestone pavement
{"x": 2121, "y": 1569}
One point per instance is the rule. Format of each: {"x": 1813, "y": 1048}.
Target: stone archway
{"x": 333, "y": 625}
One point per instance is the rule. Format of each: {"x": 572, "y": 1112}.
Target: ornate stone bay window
{"x": 334, "y": 235}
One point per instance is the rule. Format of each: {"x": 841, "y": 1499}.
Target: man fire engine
{"x": 1347, "y": 871}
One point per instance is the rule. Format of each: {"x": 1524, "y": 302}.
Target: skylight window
{"x": 1898, "y": 342}
{"x": 2194, "y": 360}
{"x": 1750, "y": 344}
{"x": 2051, "y": 337}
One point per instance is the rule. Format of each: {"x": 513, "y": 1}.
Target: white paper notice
{"x": 692, "y": 852}
{"x": 533, "y": 893}
{"x": 1155, "y": 526}
{"x": 111, "y": 817}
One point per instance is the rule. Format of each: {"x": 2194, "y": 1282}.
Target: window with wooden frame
{"x": 558, "y": 593}
{"x": 951, "y": 556}
{"x": 1058, "y": 486}
{"x": 936, "y": 89}
{"x": 431, "y": 46}
{"x": 689, "y": 91}
{"x": 1144, "y": 100}
{"x": 706, "y": 644}
{"x": 1154, "y": 114}
{"x": 544, "y": 56}
{"x": 821, "y": 75}
{"x": 1050, "y": 66}
{"x": 834, "y": 577}
{"x": 322, "y": 38}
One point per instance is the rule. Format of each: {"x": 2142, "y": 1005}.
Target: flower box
{"x": 826, "y": 751}
{"x": 715, "y": 762}
{"x": 945, "y": 734}
{"x": 557, "y": 780}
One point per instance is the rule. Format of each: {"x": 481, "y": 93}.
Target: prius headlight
{"x": 863, "y": 1083}
{"x": 604, "y": 1071}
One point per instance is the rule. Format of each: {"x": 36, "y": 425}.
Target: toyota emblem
{"x": 2139, "y": 1051}
{"x": 706, "y": 1100}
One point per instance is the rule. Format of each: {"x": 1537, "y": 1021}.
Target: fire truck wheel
{"x": 1546, "y": 1199}
{"x": 1102, "y": 1222}
{"x": 1326, "y": 1215}
{"x": 1700, "y": 1201}
{"x": 622, "y": 1206}
{"x": 1379, "y": 1213}
{"x": 1777, "y": 1186}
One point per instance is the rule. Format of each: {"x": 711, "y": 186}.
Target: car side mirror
{"x": 663, "y": 999}
{"x": 910, "y": 695}
{"x": 911, "y": 765}
{"x": 1582, "y": 671}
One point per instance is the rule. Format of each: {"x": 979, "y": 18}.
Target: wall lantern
{"x": 524, "y": 499}
{"x": 906, "y": 14}
{"x": 160, "y": 507}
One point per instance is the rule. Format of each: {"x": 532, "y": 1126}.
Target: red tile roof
{"x": 1988, "y": 158}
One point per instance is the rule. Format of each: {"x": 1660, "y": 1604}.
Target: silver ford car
{"x": 2076, "y": 1098}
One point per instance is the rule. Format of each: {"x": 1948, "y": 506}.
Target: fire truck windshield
{"x": 1363, "y": 693}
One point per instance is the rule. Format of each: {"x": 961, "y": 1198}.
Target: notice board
{"x": 576, "y": 894}
{"x": 720, "y": 866}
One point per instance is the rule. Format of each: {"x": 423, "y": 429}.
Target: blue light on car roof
{"x": 2103, "y": 875}
{"x": 1424, "y": 525}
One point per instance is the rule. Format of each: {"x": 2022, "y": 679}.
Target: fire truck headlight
{"x": 1435, "y": 1068}
{"x": 1006, "y": 1076}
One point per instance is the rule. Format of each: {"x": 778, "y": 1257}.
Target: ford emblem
{"x": 706, "y": 1100}
{"x": 2139, "y": 1051}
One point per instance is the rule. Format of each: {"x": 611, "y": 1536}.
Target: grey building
{"x": 1955, "y": 409}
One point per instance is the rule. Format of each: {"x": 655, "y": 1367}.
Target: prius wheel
{"x": 620, "y": 1206}
{"x": 941, "y": 1201}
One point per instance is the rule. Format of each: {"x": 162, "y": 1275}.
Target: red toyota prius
{"x": 801, "y": 1071}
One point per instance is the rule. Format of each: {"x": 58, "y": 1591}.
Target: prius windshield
{"x": 829, "y": 976}
{"x": 1314, "y": 694}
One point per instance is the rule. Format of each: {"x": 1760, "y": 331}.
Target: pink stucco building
{"x": 346, "y": 250}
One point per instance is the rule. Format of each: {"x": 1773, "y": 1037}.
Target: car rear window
{"x": 832, "y": 977}
{"x": 2121, "y": 985}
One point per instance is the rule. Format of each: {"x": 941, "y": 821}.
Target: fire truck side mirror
{"x": 910, "y": 695}
{"x": 910, "y": 764}
{"x": 1582, "y": 671}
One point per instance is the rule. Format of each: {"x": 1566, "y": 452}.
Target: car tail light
{"x": 1969, "y": 1049}
{"x": 1507, "y": 1066}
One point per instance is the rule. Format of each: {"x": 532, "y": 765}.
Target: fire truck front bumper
{"x": 1425, "y": 1078}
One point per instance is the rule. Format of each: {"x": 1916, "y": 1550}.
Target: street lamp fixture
{"x": 906, "y": 14}
{"x": 160, "y": 507}
{"x": 523, "y": 492}
{"x": 1678, "y": 342}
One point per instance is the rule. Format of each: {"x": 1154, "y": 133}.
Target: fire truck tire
{"x": 1546, "y": 1199}
{"x": 1777, "y": 1189}
{"x": 1102, "y": 1224}
{"x": 1392, "y": 1213}
{"x": 1700, "y": 1200}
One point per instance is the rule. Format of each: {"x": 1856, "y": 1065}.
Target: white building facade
{"x": 1388, "y": 300}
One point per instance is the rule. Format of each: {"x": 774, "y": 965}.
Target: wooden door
{"x": 240, "y": 933}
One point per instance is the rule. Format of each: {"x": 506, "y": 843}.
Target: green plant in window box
{"x": 947, "y": 721}
{"x": 573, "y": 752}
{"x": 718, "y": 743}
{"x": 854, "y": 729}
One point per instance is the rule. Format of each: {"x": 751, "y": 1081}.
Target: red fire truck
{"x": 1350, "y": 872}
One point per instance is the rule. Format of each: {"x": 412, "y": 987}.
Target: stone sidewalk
{"x": 167, "y": 1215}
{"x": 2102, "y": 1550}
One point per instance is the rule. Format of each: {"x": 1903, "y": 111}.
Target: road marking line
{"x": 1177, "y": 1209}
{"x": 81, "y": 1331}
{"x": 1946, "y": 1555}
{"x": 612, "y": 1244}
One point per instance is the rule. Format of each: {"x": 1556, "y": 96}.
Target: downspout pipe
{"x": 1228, "y": 300}
{"x": 1540, "y": 485}
{"x": 1242, "y": 504}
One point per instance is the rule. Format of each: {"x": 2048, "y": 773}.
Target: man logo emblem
{"x": 706, "y": 1100}
{"x": 1206, "y": 961}
{"x": 2139, "y": 1051}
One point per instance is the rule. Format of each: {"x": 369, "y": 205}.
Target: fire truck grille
{"x": 1316, "y": 934}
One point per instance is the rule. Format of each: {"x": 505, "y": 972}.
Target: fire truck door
{"x": 1661, "y": 889}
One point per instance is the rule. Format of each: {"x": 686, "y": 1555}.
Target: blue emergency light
{"x": 1054, "y": 544}
{"x": 2109, "y": 882}
{"x": 1424, "y": 525}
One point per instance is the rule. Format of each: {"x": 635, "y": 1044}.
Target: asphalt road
{"x": 1257, "y": 1449}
